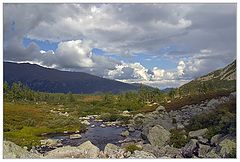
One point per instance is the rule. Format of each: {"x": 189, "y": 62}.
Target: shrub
{"x": 132, "y": 148}
{"x": 222, "y": 120}
{"x": 178, "y": 138}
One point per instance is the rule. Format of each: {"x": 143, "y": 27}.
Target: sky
{"x": 161, "y": 45}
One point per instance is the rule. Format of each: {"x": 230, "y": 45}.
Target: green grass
{"x": 24, "y": 122}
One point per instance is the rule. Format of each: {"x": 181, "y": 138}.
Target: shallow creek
{"x": 98, "y": 135}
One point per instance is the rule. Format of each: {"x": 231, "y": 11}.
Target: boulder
{"x": 160, "y": 109}
{"x": 131, "y": 129}
{"x": 228, "y": 148}
{"x": 65, "y": 152}
{"x": 180, "y": 126}
{"x": 75, "y": 136}
{"x": 153, "y": 149}
{"x": 216, "y": 139}
{"x": 203, "y": 150}
{"x": 171, "y": 152}
{"x": 142, "y": 155}
{"x": 213, "y": 103}
{"x": 212, "y": 154}
{"x": 52, "y": 143}
{"x": 113, "y": 151}
{"x": 232, "y": 96}
{"x": 202, "y": 140}
{"x": 139, "y": 115}
{"x": 103, "y": 126}
{"x": 198, "y": 133}
{"x": 85, "y": 122}
{"x": 12, "y": 151}
{"x": 125, "y": 133}
{"x": 90, "y": 150}
{"x": 190, "y": 149}
{"x": 158, "y": 136}
{"x": 85, "y": 150}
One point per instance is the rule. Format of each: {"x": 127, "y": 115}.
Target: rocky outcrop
{"x": 203, "y": 150}
{"x": 85, "y": 150}
{"x": 125, "y": 133}
{"x": 198, "y": 133}
{"x": 170, "y": 152}
{"x": 228, "y": 148}
{"x": 113, "y": 151}
{"x": 190, "y": 149}
{"x": 90, "y": 150}
{"x": 158, "y": 136}
{"x": 216, "y": 139}
{"x": 12, "y": 151}
{"x": 52, "y": 143}
{"x": 142, "y": 155}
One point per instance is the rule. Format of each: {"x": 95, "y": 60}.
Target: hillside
{"x": 55, "y": 81}
{"x": 220, "y": 80}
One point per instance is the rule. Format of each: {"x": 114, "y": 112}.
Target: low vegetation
{"x": 220, "y": 121}
{"x": 28, "y": 114}
{"x": 132, "y": 148}
{"x": 178, "y": 138}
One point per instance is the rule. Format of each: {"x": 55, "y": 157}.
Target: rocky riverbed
{"x": 147, "y": 136}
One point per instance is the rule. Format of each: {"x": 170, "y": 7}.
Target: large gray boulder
{"x": 90, "y": 150}
{"x": 216, "y": 139}
{"x": 171, "y": 152}
{"x": 65, "y": 152}
{"x": 154, "y": 150}
{"x": 142, "y": 155}
{"x": 158, "y": 136}
{"x": 190, "y": 149}
{"x": 198, "y": 133}
{"x": 13, "y": 151}
{"x": 113, "y": 151}
{"x": 85, "y": 150}
{"x": 228, "y": 148}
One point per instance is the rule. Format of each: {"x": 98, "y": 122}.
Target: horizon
{"x": 163, "y": 46}
{"x": 100, "y": 76}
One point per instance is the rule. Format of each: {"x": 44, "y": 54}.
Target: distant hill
{"x": 43, "y": 79}
{"x": 143, "y": 85}
{"x": 167, "y": 90}
{"x": 220, "y": 80}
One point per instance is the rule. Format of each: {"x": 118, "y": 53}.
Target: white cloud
{"x": 75, "y": 53}
{"x": 158, "y": 73}
{"x": 119, "y": 29}
{"x": 206, "y": 51}
{"x": 181, "y": 66}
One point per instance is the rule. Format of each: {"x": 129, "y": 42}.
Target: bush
{"x": 178, "y": 138}
{"x": 113, "y": 117}
{"x": 132, "y": 148}
{"x": 220, "y": 121}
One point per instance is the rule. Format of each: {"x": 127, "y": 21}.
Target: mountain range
{"x": 43, "y": 79}
{"x": 218, "y": 80}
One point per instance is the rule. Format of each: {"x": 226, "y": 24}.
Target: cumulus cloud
{"x": 190, "y": 35}
{"x": 74, "y": 53}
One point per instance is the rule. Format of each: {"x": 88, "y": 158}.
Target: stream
{"x": 98, "y": 135}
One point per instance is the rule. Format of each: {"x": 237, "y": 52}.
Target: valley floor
{"x": 202, "y": 130}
